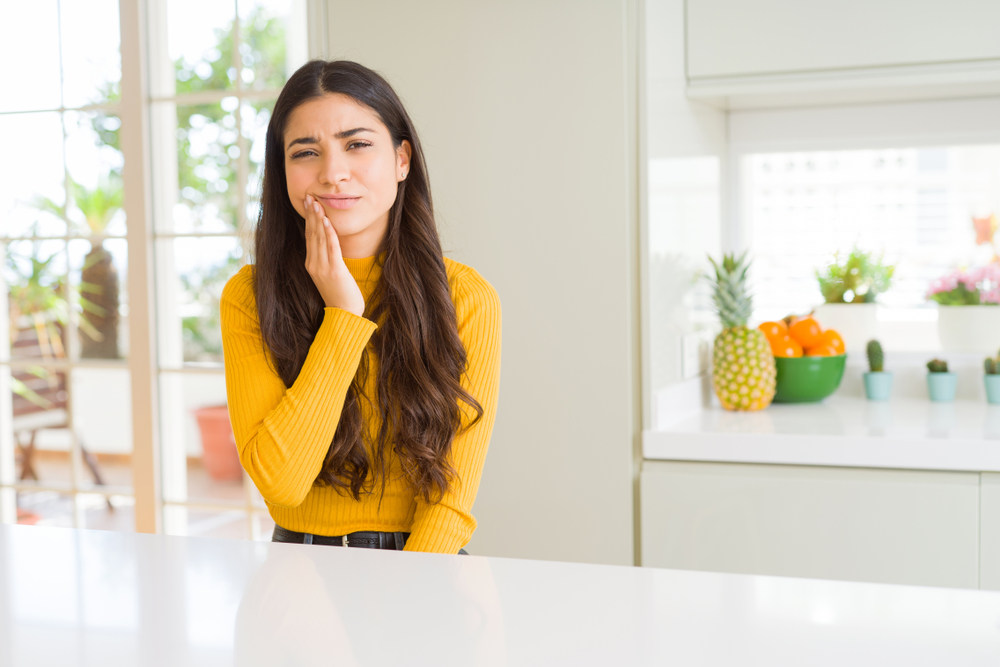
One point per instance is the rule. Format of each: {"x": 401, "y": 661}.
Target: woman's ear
{"x": 403, "y": 154}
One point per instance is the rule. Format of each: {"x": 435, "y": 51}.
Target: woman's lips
{"x": 339, "y": 202}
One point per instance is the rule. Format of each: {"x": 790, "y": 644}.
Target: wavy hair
{"x": 420, "y": 356}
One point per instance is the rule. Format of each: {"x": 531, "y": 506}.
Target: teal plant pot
{"x": 941, "y": 386}
{"x": 992, "y": 388}
{"x": 878, "y": 385}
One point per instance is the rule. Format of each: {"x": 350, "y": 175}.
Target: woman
{"x": 362, "y": 365}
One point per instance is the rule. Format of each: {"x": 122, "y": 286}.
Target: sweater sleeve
{"x": 282, "y": 434}
{"x": 447, "y": 526}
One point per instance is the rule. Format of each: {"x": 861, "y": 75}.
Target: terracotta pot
{"x": 219, "y": 455}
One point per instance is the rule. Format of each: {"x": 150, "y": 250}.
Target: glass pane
{"x": 196, "y": 522}
{"x": 107, "y": 513}
{"x": 273, "y": 42}
{"x": 199, "y": 457}
{"x": 100, "y": 279}
{"x": 91, "y": 59}
{"x": 45, "y": 508}
{"x": 193, "y": 272}
{"x": 31, "y": 37}
{"x": 94, "y": 162}
{"x": 35, "y": 273}
{"x": 254, "y": 117}
{"x": 207, "y": 168}
{"x": 263, "y": 526}
{"x": 39, "y": 409}
{"x": 102, "y": 420}
{"x": 32, "y": 188}
{"x": 200, "y": 44}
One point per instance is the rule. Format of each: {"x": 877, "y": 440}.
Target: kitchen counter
{"x": 904, "y": 433}
{"x": 71, "y": 597}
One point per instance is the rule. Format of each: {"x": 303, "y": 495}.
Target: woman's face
{"x": 339, "y": 152}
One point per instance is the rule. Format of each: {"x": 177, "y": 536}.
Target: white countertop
{"x": 70, "y": 597}
{"x": 840, "y": 431}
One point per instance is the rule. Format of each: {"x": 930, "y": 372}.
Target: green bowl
{"x": 808, "y": 379}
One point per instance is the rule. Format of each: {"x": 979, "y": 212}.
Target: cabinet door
{"x": 764, "y": 37}
{"x": 989, "y": 534}
{"x": 892, "y": 526}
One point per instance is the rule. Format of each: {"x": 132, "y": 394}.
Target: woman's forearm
{"x": 283, "y": 435}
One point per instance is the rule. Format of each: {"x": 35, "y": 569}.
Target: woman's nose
{"x": 334, "y": 169}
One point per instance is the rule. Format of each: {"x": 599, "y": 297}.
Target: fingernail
{"x": 309, "y": 200}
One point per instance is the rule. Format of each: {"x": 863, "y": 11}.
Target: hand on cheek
{"x": 325, "y": 262}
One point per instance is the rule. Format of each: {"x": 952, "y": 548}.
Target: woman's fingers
{"x": 322, "y": 253}
{"x": 332, "y": 243}
{"x": 310, "y": 218}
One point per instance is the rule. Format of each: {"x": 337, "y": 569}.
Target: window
{"x": 221, "y": 67}
{"x": 215, "y": 68}
{"x": 65, "y": 441}
{"x": 914, "y": 205}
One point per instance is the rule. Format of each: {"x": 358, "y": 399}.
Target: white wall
{"x": 526, "y": 112}
{"x": 684, "y": 182}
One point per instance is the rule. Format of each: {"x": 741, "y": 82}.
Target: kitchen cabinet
{"x": 738, "y": 50}
{"x": 905, "y": 492}
{"x": 859, "y": 524}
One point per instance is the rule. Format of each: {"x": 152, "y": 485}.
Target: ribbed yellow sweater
{"x": 283, "y": 434}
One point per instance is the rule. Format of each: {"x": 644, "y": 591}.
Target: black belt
{"x": 363, "y": 539}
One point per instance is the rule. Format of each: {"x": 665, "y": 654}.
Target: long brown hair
{"x": 420, "y": 356}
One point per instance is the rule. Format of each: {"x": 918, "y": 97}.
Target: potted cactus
{"x": 878, "y": 382}
{"x": 941, "y": 384}
{"x": 992, "y": 379}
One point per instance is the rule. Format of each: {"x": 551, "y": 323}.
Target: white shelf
{"x": 840, "y": 431}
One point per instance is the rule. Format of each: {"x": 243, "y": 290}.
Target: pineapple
{"x": 743, "y": 373}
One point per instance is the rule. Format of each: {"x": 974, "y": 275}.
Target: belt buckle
{"x": 344, "y": 542}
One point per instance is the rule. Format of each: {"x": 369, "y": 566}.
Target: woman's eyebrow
{"x": 340, "y": 135}
{"x": 350, "y": 133}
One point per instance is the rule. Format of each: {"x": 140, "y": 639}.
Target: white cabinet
{"x": 989, "y": 535}
{"x": 864, "y": 49}
{"x": 891, "y": 526}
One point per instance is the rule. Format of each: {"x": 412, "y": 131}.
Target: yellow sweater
{"x": 283, "y": 434}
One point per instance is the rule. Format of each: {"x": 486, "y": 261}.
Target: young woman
{"x": 362, "y": 365}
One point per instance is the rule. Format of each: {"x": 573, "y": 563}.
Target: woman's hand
{"x": 325, "y": 263}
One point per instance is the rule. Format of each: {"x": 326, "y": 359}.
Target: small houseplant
{"x": 968, "y": 312}
{"x": 941, "y": 383}
{"x": 878, "y": 382}
{"x": 850, "y": 286}
{"x": 992, "y": 379}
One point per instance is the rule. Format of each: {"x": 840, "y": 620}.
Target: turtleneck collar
{"x": 366, "y": 272}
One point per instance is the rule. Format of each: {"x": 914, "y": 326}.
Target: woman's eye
{"x": 302, "y": 154}
{"x": 358, "y": 144}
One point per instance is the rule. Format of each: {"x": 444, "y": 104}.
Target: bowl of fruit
{"x": 809, "y": 360}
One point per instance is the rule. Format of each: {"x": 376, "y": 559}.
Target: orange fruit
{"x": 774, "y": 329}
{"x": 806, "y": 332}
{"x": 833, "y": 339}
{"x": 786, "y": 346}
{"x": 822, "y": 351}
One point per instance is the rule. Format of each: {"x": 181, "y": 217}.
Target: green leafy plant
{"x": 858, "y": 278}
{"x": 937, "y": 366}
{"x": 876, "y": 359}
